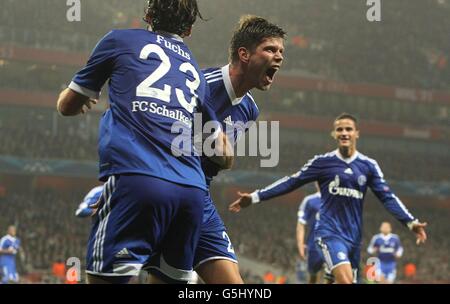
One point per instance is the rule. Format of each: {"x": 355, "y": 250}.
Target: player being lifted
{"x": 308, "y": 215}
{"x": 387, "y": 248}
{"x": 256, "y": 55}
{"x": 344, "y": 176}
{"x": 153, "y": 200}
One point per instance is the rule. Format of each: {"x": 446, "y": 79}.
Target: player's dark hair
{"x": 250, "y": 32}
{"x": 172, "y": 16}
{"x": 347, "y": 116}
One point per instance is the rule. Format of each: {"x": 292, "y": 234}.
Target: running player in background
{"x": 343, "y": 176}
{"x": 155, "y": 87}
{"x": 9, "y": 246}
{"x": 387, "y": 248}
{"x": 308, "y": 214}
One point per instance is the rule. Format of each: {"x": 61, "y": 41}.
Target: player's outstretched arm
{"x": 394, "y": 205}
{"x": 71, "y": 103}
{"x": 244, "y": 201}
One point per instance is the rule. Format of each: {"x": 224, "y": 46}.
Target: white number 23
{"x": 146, "y": 89}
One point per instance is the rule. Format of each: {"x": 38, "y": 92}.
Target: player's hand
{"x": 244, "y": 201}
{"x": 11, "y": 250}
{"x": 419, "y": 230}
{"x": 88, "y": 105}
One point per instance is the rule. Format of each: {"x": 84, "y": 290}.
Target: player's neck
{"x": 238, "y": 80}
{"x": 347, "y": 152}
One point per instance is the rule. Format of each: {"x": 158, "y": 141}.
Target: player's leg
{"x": 336, "y": 254}
{"x": 5, "y": 274}
{"x": 220, "y": 272}
{"x": 388, "y": 273}
{"x": 215, "y": 260}
{"x": 390, "y": 277}
{"x": 315, "y": 265}
{"x": 14, "y": 274}
{"x": 343, "y": 274}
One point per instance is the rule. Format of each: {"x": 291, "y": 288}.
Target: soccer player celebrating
{"x": 153, "y": 198}
{"x": 308, "y": 214}
{"x": 9, "y": 246}
{"x": 256, "y": 55}
{"x": 343, "y": 176}
{"x": 387, "y": 247}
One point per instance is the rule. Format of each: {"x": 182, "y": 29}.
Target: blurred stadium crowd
{"x": 328, "y": 39}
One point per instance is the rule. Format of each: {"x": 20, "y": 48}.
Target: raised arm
{"x": 310, "y": 172}
{"x": 393, "y": 204}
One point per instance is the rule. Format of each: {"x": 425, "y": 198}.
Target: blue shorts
{"x": 9, "y": 273}
{"x": 337, "y": 251}
{"x": 388, "y": 271}
{"x": 315, "y": 260}
{"x": 214, "y": 242}
{"x": 140, "y": 216}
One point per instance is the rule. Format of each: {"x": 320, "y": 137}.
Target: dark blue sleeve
{"x": 390, "y": 201}
{"x": 5, "y": 244}
{"x": 90, "y": 80}
{"x": 310, "y": 172}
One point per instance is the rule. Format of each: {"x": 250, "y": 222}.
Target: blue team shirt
{"x": 235, "y": 114}
{"x": 308, "y": 214}
{"x": 388, "y": 247}
{"x": 154, "y": 82}
{"x": 8, "y": 241}
{"x": 343, "y": 186}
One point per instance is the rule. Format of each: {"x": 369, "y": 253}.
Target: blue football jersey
{"x": 235, "y": 114}
{"x": 343, "y": 186}
{"x": 386, "y": 247}
{"x": 308, "y": 214}
{"x": 8, "y": 241}
{"x": 155, "y": 87}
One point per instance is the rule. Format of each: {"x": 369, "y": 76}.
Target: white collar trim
{"x": 386, "y": 237}
{"x": 346, "y": 160}
{"x": 229, "y": 86}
